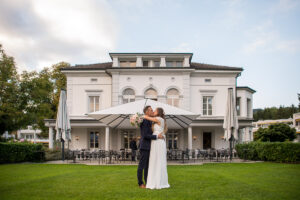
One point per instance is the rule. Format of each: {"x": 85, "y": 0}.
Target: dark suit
{"x": 133, "y": 148}
{"x": 145, "y": 144}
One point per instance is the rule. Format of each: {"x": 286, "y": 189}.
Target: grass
{"x": 209, "y": 181}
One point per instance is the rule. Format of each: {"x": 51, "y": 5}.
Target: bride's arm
{"x": 153, "y": 119}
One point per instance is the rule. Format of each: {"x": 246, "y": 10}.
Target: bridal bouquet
{"x": 136, "y": 120}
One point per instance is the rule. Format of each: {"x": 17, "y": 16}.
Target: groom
{"x": 145, "y": 142}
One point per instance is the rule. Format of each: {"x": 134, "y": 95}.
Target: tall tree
{"x": 36, "y": 93}
{"x": 10, "y": 113}
{"x": 59, "y": 80}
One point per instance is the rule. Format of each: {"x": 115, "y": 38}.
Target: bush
{"x": 269, "y": 151}
{"x": 21, "y": 152}
{"x": 275, "y": 133}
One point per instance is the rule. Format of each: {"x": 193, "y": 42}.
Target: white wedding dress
{"x": 157, "y": 171}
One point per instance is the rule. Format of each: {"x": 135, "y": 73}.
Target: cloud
{"x": 264, "y": 38}
{"x": 40, "y": 33}
{"x": 284, "y": 6}
{"x": 182, "y": 47}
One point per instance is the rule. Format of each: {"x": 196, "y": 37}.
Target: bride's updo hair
{"x": 161, "y": 113}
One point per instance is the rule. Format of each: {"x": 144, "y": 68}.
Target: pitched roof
{"x": 197, "y": 66}
{"x": 202, "y": 66}
{"x": 245, "y": 88}
{"x": 102, "y": 66}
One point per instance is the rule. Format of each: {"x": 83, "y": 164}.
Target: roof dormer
{"x": 129, "y": 60}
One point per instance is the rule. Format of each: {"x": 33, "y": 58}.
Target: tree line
{"x": 275, "y": 113}
{"x": 29, "y": 97}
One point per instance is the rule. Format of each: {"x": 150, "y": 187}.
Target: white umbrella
{"x": 230, "y": 124}
{"x": 63, "y": 126}
{"x": 118, "y": 116}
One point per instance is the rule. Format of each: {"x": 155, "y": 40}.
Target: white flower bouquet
{"x": 136, "y": 120}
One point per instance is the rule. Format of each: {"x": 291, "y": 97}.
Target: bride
{"x": 157, "y": 171}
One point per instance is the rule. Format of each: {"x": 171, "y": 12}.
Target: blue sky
{"x": 263, "y": 37}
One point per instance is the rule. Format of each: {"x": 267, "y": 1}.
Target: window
{"x": 145, "y": 63}
{"x": 248, "y": 107}
{"x": 207, "y": 80}
{"x": 94, "y": 139}
{"x": 123, "y": 64}
{"x": 127, "y": 136}
{"x": 174, "y": 64}
{"x": 28, "y": 137}
{"x": 173, "y": 97}
{"x": 238, "y": 106}
{"x": 169, "y": 64}
{"x": 207, "y": 105}
{"x": 172, "y": 138}
{"x": 151, "y": 94}
{"x": 94, "y": 102}
{"x": 94, "y": 79}
{"x": 156, "y": 63}
{"x": 179, "y": 64}
{"x": 128, "y": 95}
{"x": 132, "y": 64}
{"x": 127, "y": 63}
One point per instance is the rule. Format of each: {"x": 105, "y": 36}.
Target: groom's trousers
{"x": 143, "y": 166}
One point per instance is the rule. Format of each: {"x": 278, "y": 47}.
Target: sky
{"x": 263, "y": 37}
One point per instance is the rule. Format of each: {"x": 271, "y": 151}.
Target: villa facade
{"x": 170, "y": 78}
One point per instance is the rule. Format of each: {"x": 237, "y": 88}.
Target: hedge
{"x": 269, "y": 151}
{"x": 21, "y": 152}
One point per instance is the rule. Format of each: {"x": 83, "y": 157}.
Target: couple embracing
{"x": 153, "y": 160}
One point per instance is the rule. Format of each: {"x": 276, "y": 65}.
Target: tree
{"x": 40, "y": 93}
{"x": 36, "y": 93}
{"x": 10, "y": 112}
{"x": 275, "y": 133}
{"x": 60, "y": 81}
{"x": 275, "y": 113}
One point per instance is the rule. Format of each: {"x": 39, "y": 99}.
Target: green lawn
{"x": 209, "y": 181}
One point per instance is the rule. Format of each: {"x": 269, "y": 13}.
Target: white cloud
{"x": 182, "y": 47}
{"x": 40, "y": 33}
{"x": 264, "y": 38}
{"x": 282, "y": 6}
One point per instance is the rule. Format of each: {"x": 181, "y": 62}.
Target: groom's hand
{"x": 160, "y": 136}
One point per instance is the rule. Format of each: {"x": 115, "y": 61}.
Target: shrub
{"x": 269, "y": 151}
{"x": 21, "y": 152}
{"x": 275, "y": 133}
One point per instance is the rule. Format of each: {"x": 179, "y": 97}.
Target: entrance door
{"x": 206, "y": 140}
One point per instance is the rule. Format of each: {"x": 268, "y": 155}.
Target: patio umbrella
{"x": 63, "y": 126}
{"x": 230, "y": 124}
{"x": 118, "y": 116}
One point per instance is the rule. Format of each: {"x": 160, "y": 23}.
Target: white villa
{"x": 32, "y": 135}
{"x": 170, "y": 78}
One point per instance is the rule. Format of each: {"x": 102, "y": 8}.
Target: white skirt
{"x": 157, "y": 171}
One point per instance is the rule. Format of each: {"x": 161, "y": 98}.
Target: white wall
{"x": 218, "y": 88}
{"x": 244, "y": 95}
{"x": 160, "y": 81}
{"x": 78, "y": 88}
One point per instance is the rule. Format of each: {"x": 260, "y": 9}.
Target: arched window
{"x": 128, "y": 95}
{"x": 173, "y": 97}
{"x": 151, "y": 94}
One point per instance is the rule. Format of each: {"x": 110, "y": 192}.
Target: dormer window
{"x": 127, "y": 63}
{"x": 145, "y": 63}
{"x": 156, "y": 63}
{"x": 174, "y": 63}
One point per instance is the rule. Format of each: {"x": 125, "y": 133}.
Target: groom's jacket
{"x": 146, "y": 135}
